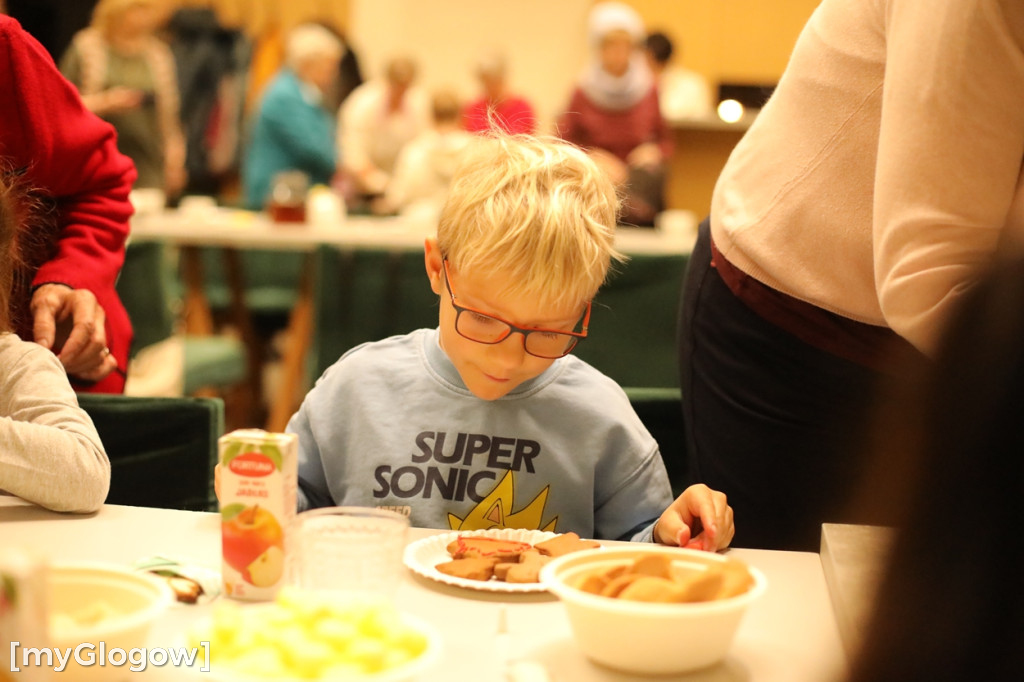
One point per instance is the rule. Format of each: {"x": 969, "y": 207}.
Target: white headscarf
{"x": 603, "y": 89}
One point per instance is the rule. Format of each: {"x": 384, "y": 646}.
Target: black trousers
{"x": 771, "y": 421}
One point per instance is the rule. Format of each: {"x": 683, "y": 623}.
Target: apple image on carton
{"x": 253, "y": 544}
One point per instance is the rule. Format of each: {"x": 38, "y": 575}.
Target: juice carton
{"x": 258, "y": 487}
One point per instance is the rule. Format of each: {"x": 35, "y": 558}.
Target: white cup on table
{"x": 350, "y": 550}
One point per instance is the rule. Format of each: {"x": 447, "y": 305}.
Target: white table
{"x": 790, "y": 635}
{"x": 249, "y": 230}
{"x": 853, "y": 558}
{"x": 234, "y": 229}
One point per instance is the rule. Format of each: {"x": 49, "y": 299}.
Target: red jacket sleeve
{"x": 69, "y": 154}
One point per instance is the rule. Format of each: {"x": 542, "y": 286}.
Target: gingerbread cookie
{"x": 565, "y": 543}
{"x": 655, "y": 578}
{"x": 509, "y": 560}
{"x": 528, "y": 568}
{"x": 466, "y": 547}
{"x": 475, "y": 568}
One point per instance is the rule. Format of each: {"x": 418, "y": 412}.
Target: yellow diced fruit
{"x": 404, "y": 637}
{"x": 380, "y": 624}
{"x": 245, "y": 640}
{"x": 308, "y": 659}
{"x": 369, "y": 653}
{"x": 337, "y": 633}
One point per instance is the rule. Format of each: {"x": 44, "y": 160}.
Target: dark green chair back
{"x": 145, "y": 289}
{"x": 162, "y": 450}
{"x": 632, "y": 334}
{"x": 661, "y": 411}
{"x": 365, "y": 295}
{"x": 149, "y": 289}
{"x": 271, "y": 279}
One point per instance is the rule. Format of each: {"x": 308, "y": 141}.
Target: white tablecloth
{"x": 790, "y": 635}
{"x": 244, "y": 229}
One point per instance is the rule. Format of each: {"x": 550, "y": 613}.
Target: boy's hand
{"x": 700, "y": 518}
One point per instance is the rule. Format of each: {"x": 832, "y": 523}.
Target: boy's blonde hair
{"x": 536, "y": 211}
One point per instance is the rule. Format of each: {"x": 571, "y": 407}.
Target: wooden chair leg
{"x": 300, "y": 329}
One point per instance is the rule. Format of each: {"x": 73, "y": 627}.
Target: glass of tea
{"x": 287, "y": 202}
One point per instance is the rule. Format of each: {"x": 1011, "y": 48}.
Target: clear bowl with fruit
{"x": 649, "y": 609}
{"x": 309, "y": 635}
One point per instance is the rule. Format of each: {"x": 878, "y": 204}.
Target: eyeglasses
{"x": 478, "y": 326}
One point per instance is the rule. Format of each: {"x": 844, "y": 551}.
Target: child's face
{"x": 491, "y": 371}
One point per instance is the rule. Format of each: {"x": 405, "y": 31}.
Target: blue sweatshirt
{"x": 391, "y": 424}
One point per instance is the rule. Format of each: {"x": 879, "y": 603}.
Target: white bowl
{"x": 644, "y": 637}
{"x": 134, "y": 600}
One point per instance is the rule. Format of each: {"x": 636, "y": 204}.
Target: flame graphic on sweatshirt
{"x": 495, "y": 510}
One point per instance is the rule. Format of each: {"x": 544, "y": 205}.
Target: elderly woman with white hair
{"x": 614, "y": 114}
{"x": 292, "y": 130}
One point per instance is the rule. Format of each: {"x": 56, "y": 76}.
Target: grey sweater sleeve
{"x": 50, "y": 453}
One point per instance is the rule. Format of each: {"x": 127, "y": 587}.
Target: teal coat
{"x": 291, "y": 132}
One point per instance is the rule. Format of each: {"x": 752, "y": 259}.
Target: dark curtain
{"x": 52, "y": 22}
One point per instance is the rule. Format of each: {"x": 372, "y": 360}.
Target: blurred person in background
{"x": 682, "y": 93}
{"x": 292, "y": 130}
{"x": 853, "y": 215}
{"x": 72, "y": 212}
{"x": 127, "y": 76}
{"x": 349, "y": 75}
{"x": 427, "y": 163}
{"x": 212, "y": 62}
{"x": 379, "y": 118}
{"x": 614, "y": 113}
{"x": 497, "y": 106}
{"x": 947, "y": 464}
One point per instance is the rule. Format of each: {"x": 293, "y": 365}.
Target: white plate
{"x": 423, "y": 555}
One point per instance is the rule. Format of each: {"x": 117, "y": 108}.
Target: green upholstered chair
{"x": 162, "y": 450}
{"x": 271, "y": 279}
{"x": 632, "y": 334}
{"x": 149, "y": 289}
{"x": 661, "y": 411}
{"x": 364, "y": 295}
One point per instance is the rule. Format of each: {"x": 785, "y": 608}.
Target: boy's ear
{"x": 434, "y": 263}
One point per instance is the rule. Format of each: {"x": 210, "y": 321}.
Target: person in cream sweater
{"x": 848, "y": 222}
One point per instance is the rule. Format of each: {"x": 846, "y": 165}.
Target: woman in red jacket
{"x": 67, "y": 160}
{"x": 614, "y": 113}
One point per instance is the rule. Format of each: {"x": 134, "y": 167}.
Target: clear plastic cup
{"x": 351, "y": 550}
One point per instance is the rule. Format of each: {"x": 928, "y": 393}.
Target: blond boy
{"x": 488, "y": 420}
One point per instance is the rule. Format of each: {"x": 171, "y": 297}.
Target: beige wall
{"x": 543, "y": 40}
{"x": 738, "y": 40}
